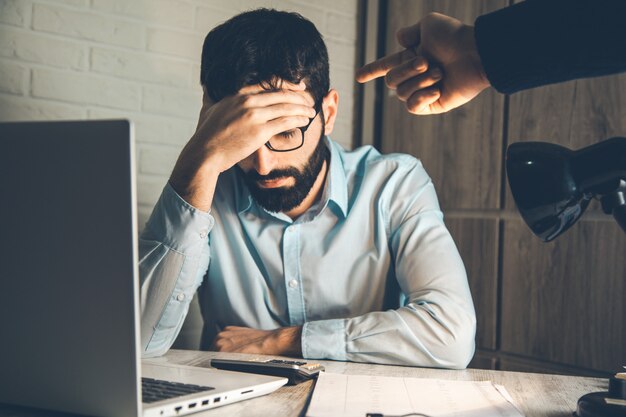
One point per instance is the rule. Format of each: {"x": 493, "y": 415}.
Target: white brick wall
{"x": 89, "y": 26}
{"x": 13, "y": 80}
{"x": 140, "y": 59}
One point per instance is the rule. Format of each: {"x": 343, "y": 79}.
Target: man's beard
{"x": 287, "y": 198}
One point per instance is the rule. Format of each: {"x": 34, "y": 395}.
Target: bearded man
{"x": 294, "y": 245}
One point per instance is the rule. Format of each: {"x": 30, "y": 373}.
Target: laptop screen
{"x": 68, "y": 306}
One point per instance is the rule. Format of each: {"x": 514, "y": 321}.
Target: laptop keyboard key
{"x": 154, "y": 390}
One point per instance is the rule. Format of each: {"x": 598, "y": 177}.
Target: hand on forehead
{"x": 285, "y": 89}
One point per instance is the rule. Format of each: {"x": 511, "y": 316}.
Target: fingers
{"x": 232, "y": 328}
{"x": 283, "y": 124}
{"x": 286, "y": 85}
{"x": 381, "y": 66}
{"x": 239, "y": 339}
{"x": 257, "y": 95}
{"x": 421, "y": 101}
{"x": 274, "y": 111}
{"x": 251, "y": 89}
{"x": 409, "y": 36}
{"x": 263, "y": 87}
{"x": 268, "y": 98}
{"x": 406, "y": 71}
{"x": 414, "y": 84}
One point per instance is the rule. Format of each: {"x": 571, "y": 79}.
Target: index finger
{"x": 381, "y": 66}
{"x": 288, "y": 85}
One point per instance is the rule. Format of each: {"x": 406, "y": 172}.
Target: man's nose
{"x": 263, "y": 160}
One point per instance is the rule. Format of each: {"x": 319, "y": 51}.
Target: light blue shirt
{"x": 370, "y": 271}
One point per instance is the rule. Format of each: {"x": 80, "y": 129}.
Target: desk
{"x": 537, "y": 395}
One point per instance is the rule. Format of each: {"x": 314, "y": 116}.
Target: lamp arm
{"x": 599, "y": 164}
{"x": 615, "y": 203}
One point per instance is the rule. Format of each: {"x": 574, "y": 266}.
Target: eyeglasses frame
{"x": 302, "y": 129}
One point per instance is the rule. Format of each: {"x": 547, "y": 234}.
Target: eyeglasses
{"x": 289, "y": 140}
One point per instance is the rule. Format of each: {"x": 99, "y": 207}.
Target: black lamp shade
{"x": 544, "y": 187}
{"x": 552, "y": 185}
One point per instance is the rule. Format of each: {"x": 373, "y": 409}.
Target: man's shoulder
{"x": 367, "y": 161}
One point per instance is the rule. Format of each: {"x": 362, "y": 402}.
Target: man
{"x": 300, "y": 247}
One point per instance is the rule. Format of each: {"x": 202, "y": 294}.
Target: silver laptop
{"x": 69, "y": 313}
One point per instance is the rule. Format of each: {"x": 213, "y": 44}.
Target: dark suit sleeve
{"x": 539, "y": 42}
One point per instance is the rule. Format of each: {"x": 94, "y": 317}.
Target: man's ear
{"x": 330, "y": 105}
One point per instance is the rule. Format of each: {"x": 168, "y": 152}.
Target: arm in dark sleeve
{"x": 539, "y": 42}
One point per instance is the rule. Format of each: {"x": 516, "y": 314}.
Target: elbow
{"x": 157, "y": 344}
{"x": 451, "y": 345}
{"x": 459, "y": 347}
{"x": 455, "y": 353}
{"x": 461, "y": 356}
{"x": 151, "y": 352}
{"x": 453, "y": 350}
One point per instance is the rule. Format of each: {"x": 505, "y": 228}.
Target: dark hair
{"x": 261, "y": 46}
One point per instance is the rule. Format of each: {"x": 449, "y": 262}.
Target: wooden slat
{"x": 484, "y": 360}
{"x": 477, "y": 242}
{"x": 564, "y": 301}
{"x": 461, "y": 150}
{"x": 518, "y": 364}
{"x": 574, "y": 114}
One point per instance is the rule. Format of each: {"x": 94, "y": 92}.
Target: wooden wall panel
{"x": 555, "y": 306}
{"x": 461, "y": 150}
{"x": 563, "y": 301}
{"x": 574, "y": 287}
{"x": 477, "y": 242}
{"x": 573, "y": 114}
{"x": 517, "y": 364}
{"x": 483, "y": 360}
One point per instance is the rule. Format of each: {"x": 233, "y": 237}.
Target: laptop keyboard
{"x": 153, "y": 390}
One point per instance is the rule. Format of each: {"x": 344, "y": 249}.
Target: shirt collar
{"x": 243, "y": 198}
{"x": 336, "y": 185}
{"x": 335, "y": 190}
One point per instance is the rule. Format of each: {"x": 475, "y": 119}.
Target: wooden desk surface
{"x": 537, "y": 395}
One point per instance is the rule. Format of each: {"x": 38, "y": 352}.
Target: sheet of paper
{"x": 507, "y": 396}
{"x": 338, "y": 395}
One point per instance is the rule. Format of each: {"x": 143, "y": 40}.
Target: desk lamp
{"x": 552, "y": 187}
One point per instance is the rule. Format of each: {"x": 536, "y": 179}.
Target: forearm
{"x": 283, "y": 341}
{"x": 288, "y": 340}
{"x": 539, "y": 42}
{"x": 174, "y": 256}
{"x": 419, "y": 334}
{"x": 195, "y": 181}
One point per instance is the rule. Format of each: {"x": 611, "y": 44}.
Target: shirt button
{"x": 204, "y": 233}
{"x": 293, "y": 283}
{"x": 180, "y": 297}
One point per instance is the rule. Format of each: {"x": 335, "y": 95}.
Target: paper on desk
{"x": 338, "y": 395}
